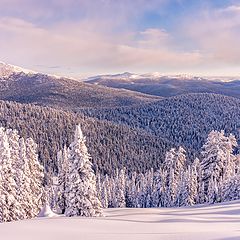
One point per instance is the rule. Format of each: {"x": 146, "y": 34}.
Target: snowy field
{"x": 215, "y": 222}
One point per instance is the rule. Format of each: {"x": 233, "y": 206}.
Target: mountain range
{"x": 132, "y": 128}
{"x": 24, "y": 86}
{"x": 104, "y": 91}
{"x": 166, "y": 86}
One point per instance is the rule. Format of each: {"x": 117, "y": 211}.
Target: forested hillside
{"x": 111, "y": 146}
{"x": 184, "y": 120}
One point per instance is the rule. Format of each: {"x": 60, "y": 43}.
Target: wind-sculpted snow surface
{"x": 202, "y": 222}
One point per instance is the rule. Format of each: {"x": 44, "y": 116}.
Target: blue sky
{"x": 86, "y": 37}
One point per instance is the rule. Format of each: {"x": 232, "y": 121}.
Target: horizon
{"x": 87, "y": 77}
{"x": 86, "y": 38}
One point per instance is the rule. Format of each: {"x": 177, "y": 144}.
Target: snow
{"x": 152, "y": 76}
{"x": 156, "y": 76}
{"x": 202, "y": 222}
{"x": 46, "y": 212}
{"x": 7, "y": 69}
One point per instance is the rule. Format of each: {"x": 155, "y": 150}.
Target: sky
{"x": 80, "y": 38}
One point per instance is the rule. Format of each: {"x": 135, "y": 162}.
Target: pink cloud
{"x": 205, "y": 40}
{"x": 81, "y": 45}
{"x": 51, "y": 10}
{"x": 217, "y": 33}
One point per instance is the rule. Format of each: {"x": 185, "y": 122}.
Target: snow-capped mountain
{"x": 26, "y": 86}
{"x": 6, "y": 70}
{"x": 169, "y": 85}
{"x": 126, "y": 76}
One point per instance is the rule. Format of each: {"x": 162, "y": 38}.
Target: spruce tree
{"x": 231, "y": 188}
{"x": 217, "y": 163}
{"x": 24, "y": 181}
{"x": 62, "y": 179}
{"x": 36, "y": 177}
{"x": 81, "y": 195}
{"x": 120, "y": 189}
{"x": 174, "y": 166}
{"x": 9, "y": 205}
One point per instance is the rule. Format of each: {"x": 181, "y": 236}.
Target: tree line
{"x": 22, "y": 191}
{"x": 184, "y": 120}
{"x": 178, "y": 182}
{"x": 110, "y": 145}
{"x": 79, "y": 191}
{"x": 21, "y": 177}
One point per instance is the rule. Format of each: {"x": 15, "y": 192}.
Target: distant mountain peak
{"x": 127, "y": 76}
{"x": 132, "y": 76}
{"x": 7, "y": 70}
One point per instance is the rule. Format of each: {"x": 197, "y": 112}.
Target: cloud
{"x": 81, "y": 47}
{"x": 153, "y": 38}
{"x": 90, "y": 37}
{"x": 46, "y": 11}
{"x": 216, "y": 33}
{"x": 232, "y": 9}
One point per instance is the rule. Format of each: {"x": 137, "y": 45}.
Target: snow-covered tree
{"x": 131, "y": 190}
{"x": 7, "y": 182}
{"x": 81, "y": 195}
{"x": 104, "y": 197}
{"x": 174, "y": 166}
{"x": 17, "y": 164}
{"x": 62, "y": 179}
{"x": 108, "y": 185}
{"x": 197, "y": 178}
{"x": 231, "y": 188}
{"x": 218, "y": 162}
{"x": 23, "y": 181}
{"x": 36, "y": 176}
{"x": 21, "y": 177}
{"x": 159, "y": 189}
{"x": 120, "y": 189}
{"x": 188, "y": 188}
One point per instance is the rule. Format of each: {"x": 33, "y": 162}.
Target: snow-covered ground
{"x": 215, "y": 222}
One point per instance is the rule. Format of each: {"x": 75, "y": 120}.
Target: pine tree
{"x": 218, "y": 163}
{"x": 231, "y": 188}
{"x": 62, "y": 179}
{"x": 159, "y": 189}
{"x": 120, "y": 187}
{"x": 108, "y": 186}
{"x": 81, "y": 195}
{"x": 188, "y": 187}
{"x": 174, "y": 166}
{"x": 131, "y": 191}
{"x": 24, "y": 180}
{"x": 104, "y": 197}
{"x": 10, "y": 207}
{"x": 36, "y": 177}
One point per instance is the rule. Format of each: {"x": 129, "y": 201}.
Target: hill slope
{"x": 167, "y": 86}
{"x": 214, "y": 222}
{"x": 111, "y": 146}
{"x": 184, "y": 120}
{"x": 69, "y": 94}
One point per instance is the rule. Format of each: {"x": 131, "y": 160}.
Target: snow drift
{"x": 202, "y": 222}
{"x": 46, "y": 212}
